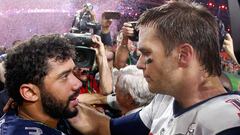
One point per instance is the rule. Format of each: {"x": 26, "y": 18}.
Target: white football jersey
{"x": 157, "y": 112}
{"x": 206, "y": 118}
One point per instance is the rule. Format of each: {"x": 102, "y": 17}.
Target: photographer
{"x": 126, "y": 52}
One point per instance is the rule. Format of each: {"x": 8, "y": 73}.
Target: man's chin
{"x": 152, "y": 89}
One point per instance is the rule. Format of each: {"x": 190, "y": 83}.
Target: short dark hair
{"x": 187, "y": 22}
{"x": 28, "y": 62}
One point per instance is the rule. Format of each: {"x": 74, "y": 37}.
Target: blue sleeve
{"x": 232, "y": 131}
{"x": 128, "y": 125}
{"x": 3, "y": 100}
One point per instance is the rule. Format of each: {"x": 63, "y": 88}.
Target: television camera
{"x": 85, "y": 56}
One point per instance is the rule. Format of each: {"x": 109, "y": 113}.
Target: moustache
{"x": 74, "y": 95}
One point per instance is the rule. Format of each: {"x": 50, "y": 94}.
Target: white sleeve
{"x": 147, "y": 113}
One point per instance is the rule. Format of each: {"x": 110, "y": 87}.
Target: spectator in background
{"x": 228, "y": 47}
{"x": 3, "y": 92}
{"x": 102, "y": 82}
{"x": 132, "y": 90}
{"x": 2, "y": 49}
{"x": 2, "y": 72}
{"x": 82, "y": 19}
{"x": 126, "y": 52}
{"x": 104, "y": 86}
{"x": 85, "y": 22}
{"x": 105, "y": 30}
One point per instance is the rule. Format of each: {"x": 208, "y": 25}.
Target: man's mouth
{"x": 147, "y": 78}
{"x": 73, "y": 99}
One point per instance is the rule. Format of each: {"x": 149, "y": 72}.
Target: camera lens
{"x": 84, "y": 56}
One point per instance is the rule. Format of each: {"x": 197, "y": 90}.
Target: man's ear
{"x": 29, "y": 92}
{"x": 185, "y": 54}
{"x": 130, "y": 99}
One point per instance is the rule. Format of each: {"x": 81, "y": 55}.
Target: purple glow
{"x": 20, "y": 19}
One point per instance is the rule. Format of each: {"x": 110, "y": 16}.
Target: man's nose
{"x": 77, "y": 83}
{"x": 141, "y": 63}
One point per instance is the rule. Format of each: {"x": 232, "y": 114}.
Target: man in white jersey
{"x": 180, "y": 58}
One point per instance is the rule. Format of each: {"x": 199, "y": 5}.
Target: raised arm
{"x": 104, "y": 70}
{"x": 228, "y": 47}
{"x": 90, "y": 122}
{"x": 122, "y": 51}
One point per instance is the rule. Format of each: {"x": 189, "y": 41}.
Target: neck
{"x": 125, "y": 110}
{"x": 196, "y": 92}
{"x": 134, "y": 110}
{"x": 105, "y": 30}
{"x": 26, "y": 112}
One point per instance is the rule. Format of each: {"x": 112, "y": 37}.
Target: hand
{"x": 10, "y": 104}
{"x": 228, "y": 47}
{"x": 99, "y": 47}
{"x": 94, "y": 100}
{"x": 90, "y": 122}
{"x": 127, "y": 30}
{"x": 228, "y": 44}
{"x": 93, "y": 15}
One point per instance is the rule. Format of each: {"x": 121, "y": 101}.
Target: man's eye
{"x": 65, "y": 76}
{"x": 145, "y": 53}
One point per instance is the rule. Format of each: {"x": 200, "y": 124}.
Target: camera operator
{"x": 88, "y": 47}
{"x": 105, "y": 73}
{"x": 84, "y": 19}
{"x": 85, "y": 22}
{"x": 92, "y": 85}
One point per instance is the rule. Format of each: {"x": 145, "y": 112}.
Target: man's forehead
{"x": 143, "y": 47}
{"x": 145, "y": 39}
{"x": 147, "y": 32}
{"x": 53, "y": 64}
